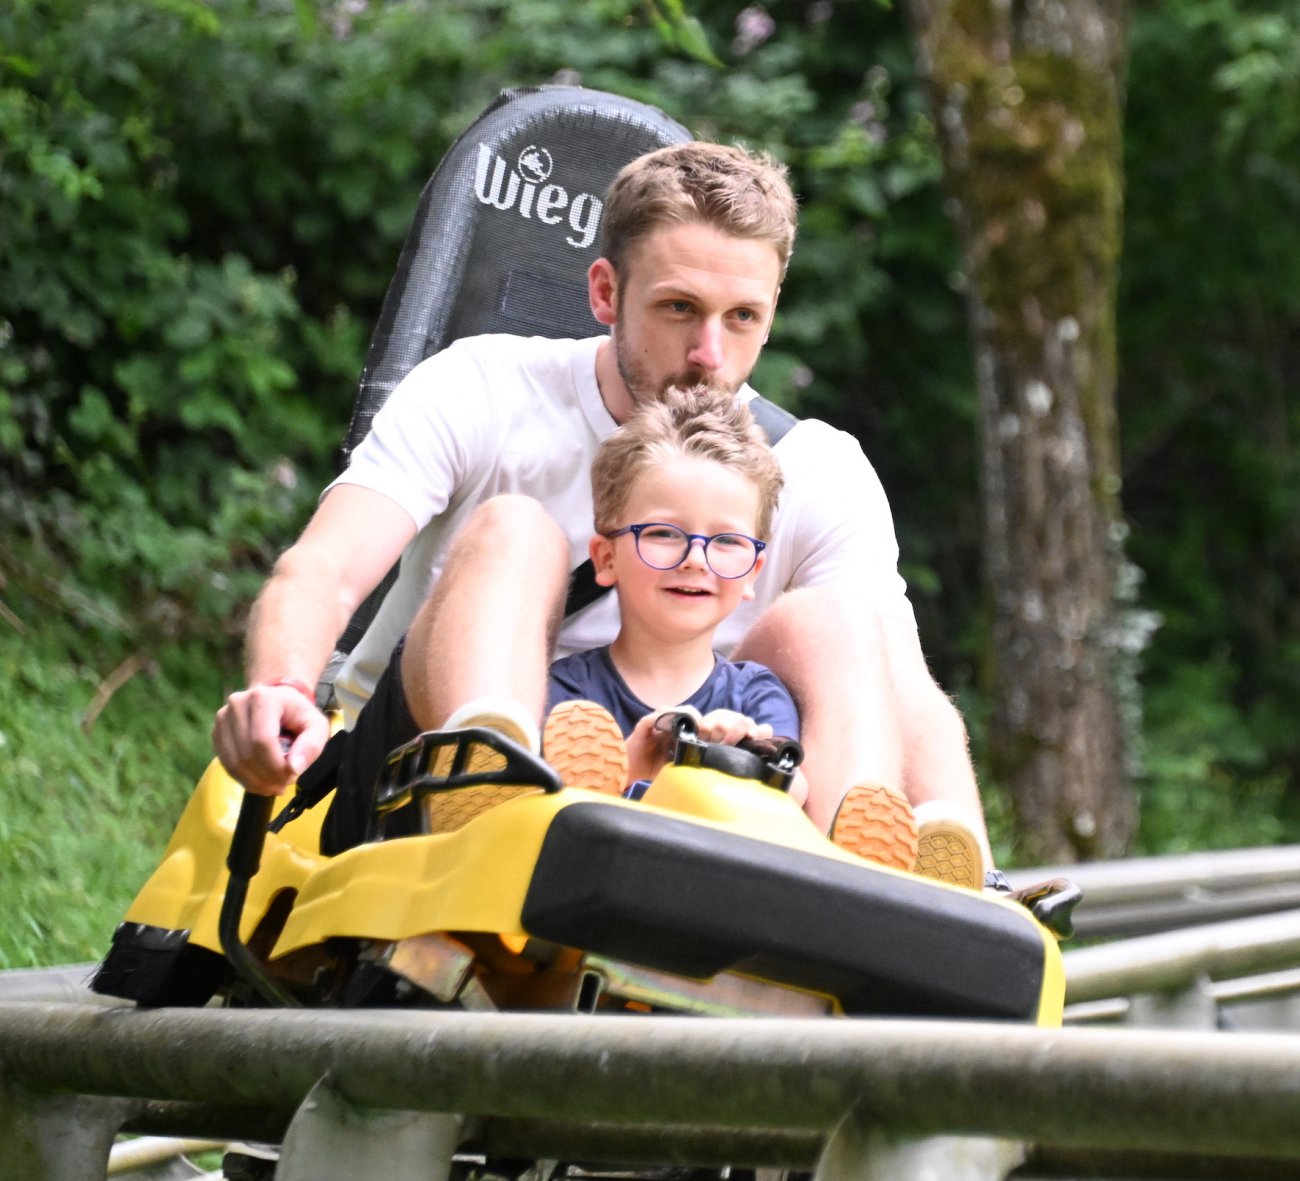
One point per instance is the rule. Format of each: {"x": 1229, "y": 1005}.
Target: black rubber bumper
{"x": 156, "y": 966}
{"x": 669, "y": 894}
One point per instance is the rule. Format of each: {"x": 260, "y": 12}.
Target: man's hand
{"x": 267, "y": 735}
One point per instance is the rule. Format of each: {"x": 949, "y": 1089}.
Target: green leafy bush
{"x": 1208, "y": 307}
{"x": 203, "y": 204}
{"x": 149, "y": 367}
{"x": 205, "y": 201}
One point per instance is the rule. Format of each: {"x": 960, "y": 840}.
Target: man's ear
{"x": 602, "y": 557}
{"x": 602, "y": 291}
{"x": 752, "y": 577}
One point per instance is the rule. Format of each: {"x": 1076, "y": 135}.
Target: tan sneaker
{"x": 585, "y": 746}
{"x": 948, "y": 848}
{"x": 447, "y": 811}
{"x": 876, "y": 824}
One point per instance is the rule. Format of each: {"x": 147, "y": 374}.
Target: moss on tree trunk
{"x": 1027, "y": 96}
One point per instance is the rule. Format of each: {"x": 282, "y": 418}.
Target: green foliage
{"x": 203, "y": 203}
{"x": 1210, "y": 781}
{"x": 149, "y": 367}
{"x": 207, "y": 201}
{"x": 1209, "y": 303}
{"x": 681, "y": 31}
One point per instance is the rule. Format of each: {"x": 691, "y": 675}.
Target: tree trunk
{"x": 1028, "y": 97}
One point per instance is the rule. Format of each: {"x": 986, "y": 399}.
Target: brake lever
{"x": 1052, "y": 903}
{"x": 771, "y": 761}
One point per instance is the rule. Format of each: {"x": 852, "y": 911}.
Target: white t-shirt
{"x": 496, "y": 414}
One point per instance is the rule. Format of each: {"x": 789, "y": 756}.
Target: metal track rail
{"x": 1142, "y": 895}
{"x": 1100, "y": 1088}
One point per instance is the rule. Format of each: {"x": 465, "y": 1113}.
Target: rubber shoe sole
{"x": 448, "y": 811}
{"x": 947, "y": 848}
{"x": 877, "y": 824}
{"x": 585, "y": 746}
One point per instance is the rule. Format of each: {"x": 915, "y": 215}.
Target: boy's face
{"x": 692, "y": 304}
{"x": 682, "y": 604}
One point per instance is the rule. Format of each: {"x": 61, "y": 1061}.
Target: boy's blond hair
{"x": 700, "y": 422}
{"x": 741, "y": 193}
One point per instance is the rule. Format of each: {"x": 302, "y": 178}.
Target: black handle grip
{"x": 245, "y": 856}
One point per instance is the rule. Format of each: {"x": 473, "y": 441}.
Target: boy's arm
{"x": 648, "y": 749}
{"x": 351, "y": 542}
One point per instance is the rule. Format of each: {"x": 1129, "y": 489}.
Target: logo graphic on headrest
{"x": 526, "y": 190}
{"x": 535, "y": 164}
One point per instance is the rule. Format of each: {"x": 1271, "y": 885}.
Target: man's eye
{"x": 746, "y": 314}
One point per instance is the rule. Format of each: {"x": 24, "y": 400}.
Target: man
{"x": 475, "y": 473}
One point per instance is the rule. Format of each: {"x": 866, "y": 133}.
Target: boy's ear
{"x": 602, "y": 557}
{"x": 752, "y": 577}
{"x": 602, "y": 291}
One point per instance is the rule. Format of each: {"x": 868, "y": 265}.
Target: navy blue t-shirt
{"x": 746, "y": 687}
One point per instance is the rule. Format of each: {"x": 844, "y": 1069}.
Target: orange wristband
{"x": 293, "y": 683}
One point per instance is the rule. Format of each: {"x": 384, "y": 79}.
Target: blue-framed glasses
{"x": 665, "y": 547}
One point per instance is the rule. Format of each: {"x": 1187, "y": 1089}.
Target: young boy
{"x": 683, "y": 496}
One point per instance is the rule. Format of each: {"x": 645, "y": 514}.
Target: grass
{"x": 94, "y": 770}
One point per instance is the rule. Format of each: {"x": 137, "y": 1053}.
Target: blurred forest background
{"x": 201, "y": 205}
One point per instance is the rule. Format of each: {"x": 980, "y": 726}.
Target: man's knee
{"x": 512, "y": 528}
{"x": 822, "y": 615}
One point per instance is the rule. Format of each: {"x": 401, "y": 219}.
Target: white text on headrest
{"x": 523, "y": 189}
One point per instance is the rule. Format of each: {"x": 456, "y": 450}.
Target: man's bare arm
{"x": 351, "y": 542}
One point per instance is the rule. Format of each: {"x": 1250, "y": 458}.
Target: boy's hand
{"x": 724, "y": 725}
{"x": 650, "y": 746}
{"x": 728, "y": 727}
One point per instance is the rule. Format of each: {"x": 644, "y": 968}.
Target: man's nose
{"x": 706, "y": 349}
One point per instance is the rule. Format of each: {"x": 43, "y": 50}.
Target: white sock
{"x": 502, "y": 714}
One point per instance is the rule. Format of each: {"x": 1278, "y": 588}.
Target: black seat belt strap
{"x": 775, "y": 420}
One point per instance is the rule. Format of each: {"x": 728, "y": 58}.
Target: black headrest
{"x": 501, "y": 242}
{"x": 506, "y": 229}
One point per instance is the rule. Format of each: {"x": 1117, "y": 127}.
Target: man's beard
{"x": 641, "y": 389}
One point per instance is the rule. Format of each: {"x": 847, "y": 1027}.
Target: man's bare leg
{"x": 833, "y": 661}
{"x": 487, "y": 631}
{"x": 871, "y": 713}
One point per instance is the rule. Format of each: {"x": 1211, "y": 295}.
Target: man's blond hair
{"x": 699, "y": 422}
{"x": 742, "y": 193}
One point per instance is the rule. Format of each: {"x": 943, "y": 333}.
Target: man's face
{"x": 691, "y": 305}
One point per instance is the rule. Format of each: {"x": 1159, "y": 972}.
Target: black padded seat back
{"x": 501, "y": 241}
{"x": 506, "y": 229}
